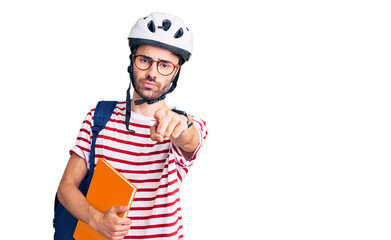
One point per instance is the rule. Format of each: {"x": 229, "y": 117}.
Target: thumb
{"x": 119, "y": 209}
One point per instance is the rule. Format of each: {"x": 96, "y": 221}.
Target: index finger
{"x": 159, "y": 114}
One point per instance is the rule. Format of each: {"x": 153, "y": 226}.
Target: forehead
{"x": 157, "y": 53}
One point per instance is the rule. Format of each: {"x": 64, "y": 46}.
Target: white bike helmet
{"x": 163, "y": 30}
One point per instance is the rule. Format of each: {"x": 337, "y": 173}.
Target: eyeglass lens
{"x": 144, "y": 63}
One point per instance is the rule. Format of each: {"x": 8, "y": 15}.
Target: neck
{"x": 146, "y": 109}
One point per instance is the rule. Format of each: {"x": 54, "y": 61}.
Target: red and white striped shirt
{"x": 157, "y": 170}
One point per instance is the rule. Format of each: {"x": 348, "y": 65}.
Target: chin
{"x": 144, "y": 94}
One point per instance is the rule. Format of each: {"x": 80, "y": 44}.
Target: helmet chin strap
{"x": 142, "y": 101}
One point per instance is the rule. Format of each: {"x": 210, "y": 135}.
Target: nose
{"x": 152, "y": 71}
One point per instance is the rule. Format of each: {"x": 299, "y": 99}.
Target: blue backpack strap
{"x": 102, "y": 114}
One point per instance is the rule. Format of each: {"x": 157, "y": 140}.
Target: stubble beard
{"x": 149, "y": 93}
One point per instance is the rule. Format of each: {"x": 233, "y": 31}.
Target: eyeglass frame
{"x": 157, "y": 64}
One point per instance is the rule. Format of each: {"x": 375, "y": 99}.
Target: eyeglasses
{"x": 164, "y": 67}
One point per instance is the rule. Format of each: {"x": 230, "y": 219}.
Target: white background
{"x": 296, "y": 95}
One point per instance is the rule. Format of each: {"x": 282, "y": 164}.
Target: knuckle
{"x": 175, "y": 135}
{"x": 160, "y": 132}
{"x": 177, "y": 118}
{"x": 159, "y": 114}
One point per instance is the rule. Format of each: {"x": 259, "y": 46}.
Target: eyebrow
{"x": 160, "y": 60}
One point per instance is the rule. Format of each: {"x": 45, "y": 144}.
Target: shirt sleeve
{"x": 82, "y": 146}
{"x": 202, "y": 129}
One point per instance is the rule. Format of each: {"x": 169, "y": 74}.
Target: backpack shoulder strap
{"x": 102, "y": 114}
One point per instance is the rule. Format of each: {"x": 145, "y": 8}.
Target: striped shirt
{"x": 157, "y": 170}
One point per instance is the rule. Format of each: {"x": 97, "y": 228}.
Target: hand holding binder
{"x": 112, "y": 223}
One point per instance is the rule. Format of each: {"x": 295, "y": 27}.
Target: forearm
{"x": 188, "y": 141}
{"x": 70, "y": 196}
{"x": 76, "y": 204}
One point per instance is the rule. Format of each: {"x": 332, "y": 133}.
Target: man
{"x": 150, "y": 144}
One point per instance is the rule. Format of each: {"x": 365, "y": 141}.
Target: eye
{"x": 165, "y": 65}
{"x": 144, "y": 60}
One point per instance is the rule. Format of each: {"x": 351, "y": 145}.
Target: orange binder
{"x": 108, "y": 188}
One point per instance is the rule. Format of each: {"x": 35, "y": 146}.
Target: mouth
{"x": 148, "y": 84}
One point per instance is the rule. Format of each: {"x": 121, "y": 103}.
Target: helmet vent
{"x": 151, "y": 26}
{"x": 179, "y": 33}
{"x": 166, "y": 24}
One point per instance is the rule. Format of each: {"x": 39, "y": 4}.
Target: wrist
{"x": 188, "y": 140}
{"x": 189, "y": 122}
{"x": 94, "y": 217}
